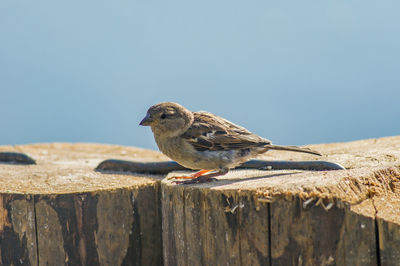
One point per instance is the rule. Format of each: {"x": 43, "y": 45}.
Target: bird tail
{"x": 291, "y": 148}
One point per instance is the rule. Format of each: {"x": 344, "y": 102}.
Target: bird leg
{"x": 192, "y": 176}
{"x": 202, "y": 177}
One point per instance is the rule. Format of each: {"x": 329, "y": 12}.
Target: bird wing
{"x": 211, "y": 132}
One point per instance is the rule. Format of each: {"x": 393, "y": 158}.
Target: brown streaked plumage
{"x": 201, "y": 140}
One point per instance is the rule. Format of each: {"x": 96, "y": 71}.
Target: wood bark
{"x": 18, "y": 242}
{"x": 349, "y": 217}
{"x": 62, "y": 212}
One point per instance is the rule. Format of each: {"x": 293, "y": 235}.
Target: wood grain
{"x": 62, "y": 212}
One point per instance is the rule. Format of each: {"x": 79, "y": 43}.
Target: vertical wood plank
{"x": 315, "y": 236}
{"x": 17, "y": 230}
{"x": 254, "y": 231}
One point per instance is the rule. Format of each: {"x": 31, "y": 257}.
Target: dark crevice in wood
{"x": 158, "y": 213}
{"x": 184, "y": 225}
{"x": 378, "y": 251}
{"x": 378, "y": 255}
{"x": 36, "y": 230}
{"x": 203, "y": 215}
{"x": 239, "y": 221}
{"x": 269, "y": 234}
{"x": 133, "y": 255}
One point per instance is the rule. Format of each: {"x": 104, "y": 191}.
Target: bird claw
{"x": 180, "y": 177}
{"x": 192, "y": 176}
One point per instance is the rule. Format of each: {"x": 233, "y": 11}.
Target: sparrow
{"x": 204, "y": 141}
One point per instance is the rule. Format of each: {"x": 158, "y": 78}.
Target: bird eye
{"x": 163, "y": 116}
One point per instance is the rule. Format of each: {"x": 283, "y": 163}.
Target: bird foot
{"x": 200, "y": 179}
{"x": 192, "y": 176}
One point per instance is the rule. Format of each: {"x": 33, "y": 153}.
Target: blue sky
{"x": 296, "y": 72}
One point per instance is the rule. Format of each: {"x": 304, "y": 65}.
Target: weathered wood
{"x": 69, "y": 214}
{"x": 388, "y": 216}
{"x": 60, "y": 211}
{"x": 255, "y": 229}
{"x": 349, "y": 217}
{"x": 18, "y": 244}
{"x": 192, "y": 224}
{"x": 389, "y": 242}
{"x": 313, "y": 236}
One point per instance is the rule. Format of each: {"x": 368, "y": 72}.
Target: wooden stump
{"x": 61, "y": 211}
{"x": 249, "y": 217}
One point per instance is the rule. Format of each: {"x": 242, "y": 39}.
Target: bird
{"x": 204, "y": 141}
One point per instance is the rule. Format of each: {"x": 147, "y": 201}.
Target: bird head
{"x": 168, "y": 119}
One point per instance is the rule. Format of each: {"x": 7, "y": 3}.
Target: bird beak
{"x": 147, "y": 120}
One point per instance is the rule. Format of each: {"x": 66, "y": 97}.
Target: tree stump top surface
{"x": 69, "y": 168}
{"x": 372, "y": 171}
